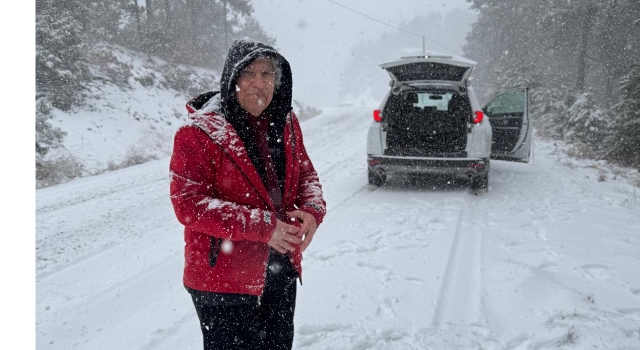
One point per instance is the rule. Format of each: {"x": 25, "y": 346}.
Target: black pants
{"x": 265, "y": 325}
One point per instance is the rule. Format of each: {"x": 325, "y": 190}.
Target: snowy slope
{"x": 131, "y": 109}
{"x": 549, "y": 258}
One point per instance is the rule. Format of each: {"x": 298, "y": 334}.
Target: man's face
{"x": 255, "y": 86}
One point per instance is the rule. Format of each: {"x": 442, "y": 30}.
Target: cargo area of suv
{"x": 431, "y": 123}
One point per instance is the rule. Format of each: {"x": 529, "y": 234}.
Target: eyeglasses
{"x": 248, "y": 75}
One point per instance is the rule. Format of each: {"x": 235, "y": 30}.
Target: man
{"x": 249, "y": 197}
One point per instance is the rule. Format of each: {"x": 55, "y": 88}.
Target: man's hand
{"x": 284, "y": 237}
{"x": 308, "y": 229}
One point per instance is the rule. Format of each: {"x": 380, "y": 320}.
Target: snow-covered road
{"x": 548, "y": 258}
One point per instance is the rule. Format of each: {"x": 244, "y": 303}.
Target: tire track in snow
{"x": 73, "y": 223}
{"x": 337, "y": 208}
{"x": 459, "y": 300}
{"x": 335, "y": 142}
{"x": 106, "y": 186}
{"x": 334, "y": 174}
{"x": 329, "y": 171}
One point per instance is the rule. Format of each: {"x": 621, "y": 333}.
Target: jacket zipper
{"x": 215, "y": 249}
{"x": 293, "y": 149}
{"x": 293, "y": 155}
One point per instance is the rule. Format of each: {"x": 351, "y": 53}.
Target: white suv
{"x": 430, "y": 122}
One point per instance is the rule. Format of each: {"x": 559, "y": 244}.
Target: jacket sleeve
{"x": 193, "y": 166}
{"x": 310, "y": 197}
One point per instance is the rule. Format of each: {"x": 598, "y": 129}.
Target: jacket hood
{"x": 240, "y": 55}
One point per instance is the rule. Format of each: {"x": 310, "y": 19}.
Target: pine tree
{"x": 626, "y": 134}
{"x": 511, "y": 72}
{"x": 47, "y": 136}
{"x": 61, "y": 68}
{"x": 252, "y": 29}
{"x": 105, "y": 17}
{"x": 506, "y": 39}
{"x": 52, "y": 170}
{"x": 548, "y": 110}
{"x": 586, "y": 121}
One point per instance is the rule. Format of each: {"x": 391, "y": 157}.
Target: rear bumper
{"x": 463, "y": 168}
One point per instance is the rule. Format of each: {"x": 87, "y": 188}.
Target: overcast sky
{"x": 317, "y": 36}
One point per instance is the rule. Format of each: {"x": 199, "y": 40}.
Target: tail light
{"x": 477, "y": 166}
{"x": 478, "y": 117}
{"x": 377, "y": 115}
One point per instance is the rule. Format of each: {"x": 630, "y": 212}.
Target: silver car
{"x": 430, "y": 122}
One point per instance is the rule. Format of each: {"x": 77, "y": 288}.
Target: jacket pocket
{"x": 215, "y": 249}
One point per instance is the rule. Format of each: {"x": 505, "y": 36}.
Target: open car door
{"x": 511, "y": 126}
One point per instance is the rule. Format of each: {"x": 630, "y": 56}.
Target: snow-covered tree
{"x": 548, "y": 110}
{"x": 61, "y": 68}
{"x": 204, "y": 38}
{"x": 47, "y": 136}
{"x": 586, "y": 121}
{"x": 511, "y": 72}
{"x": 614, "y": 41}
{"x": 626, "y": 136}
{"x": 508, "y": 43}
{"x": 105, "y": 18}
{"x": 252, "y": 29}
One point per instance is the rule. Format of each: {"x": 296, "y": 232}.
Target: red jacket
{"x": 217, "y": 194}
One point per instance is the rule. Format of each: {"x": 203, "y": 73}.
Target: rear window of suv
{"x": 438, "y": 100}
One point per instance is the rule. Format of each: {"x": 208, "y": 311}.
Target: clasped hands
{"x": 286, "y": 237}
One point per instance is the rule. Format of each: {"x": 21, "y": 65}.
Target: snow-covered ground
{"x": 549, "y": 258}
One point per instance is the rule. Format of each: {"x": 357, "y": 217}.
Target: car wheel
{"x": 480, "y": 183}
{"x": 375, "y": 179}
